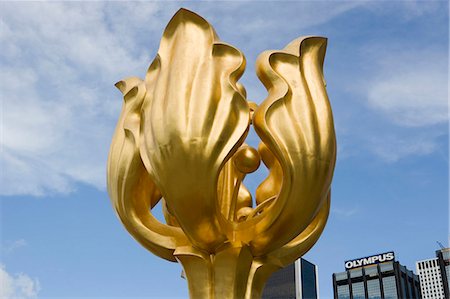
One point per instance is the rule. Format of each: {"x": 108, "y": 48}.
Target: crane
{"x": 440, "y": 245}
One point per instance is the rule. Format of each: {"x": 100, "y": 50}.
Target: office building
{"x": 296, "y": 281}
{"x": 376, "y": 277}
{"x": 430, "y": 279}
{"x": 434, "y": 275}
{"x": 443, "y": 256}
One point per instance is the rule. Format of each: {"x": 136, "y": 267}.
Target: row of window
{"x": 428, "y": 264}
{"x": 430, "y": 271}
{"x": 369, "y": 271}
{"x": 373, "y": 289}
{"x": 431, "y": 280}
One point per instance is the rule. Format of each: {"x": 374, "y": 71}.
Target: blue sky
{"x": 387, "y": 78}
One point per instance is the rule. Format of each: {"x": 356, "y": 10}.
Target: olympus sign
{"x": 374, "y": 259}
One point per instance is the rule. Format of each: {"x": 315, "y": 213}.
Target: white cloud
{"x": 58, "y": 64}
{"x": 59, "y": 105}
{"x": 392, "y": 148}
{"x": 19, "y": 286}
{"x": 410, "y": 89}
{"x": 405, "y": 10}
{"x": 406, "y": 84}
{"x": 273, "y": 17}
{"x": 411, "y": 86}
{"x": 60, "y": 60}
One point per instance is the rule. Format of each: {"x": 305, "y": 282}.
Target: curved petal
{"x": 194, "y": 118}
{"x": 130, "y": 187}
{"x": 307, "y": 238}
{"x": 295, "y": 122}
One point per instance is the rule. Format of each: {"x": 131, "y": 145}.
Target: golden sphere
{"x": 247, "y": 159}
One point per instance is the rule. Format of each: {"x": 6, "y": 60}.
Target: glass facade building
{"x": 388, "y": 280}
{"x": 443, "y": 257}
{"x": 296, "y": 281}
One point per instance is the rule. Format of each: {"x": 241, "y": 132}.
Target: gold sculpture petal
{"x": 295, "y": 122}
{"x": 193, "y": 119}
{"x": 271, "y": 186}
{"x": 306, "y": 239}
{"x": 179, "y": 142}
{"x": 131, "y": 189}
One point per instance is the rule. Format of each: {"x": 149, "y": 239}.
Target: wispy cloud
{"x": 56, "y": 76}
{"x": 410, "y": 86}
{"x": 11, "y": 246}
{"x": 407, "y": 80}
{"x": 392, "y": 148}
{"x": 398, "y": 145}
{"x": 398, "y": 84}
{"x": 409, "y": 91}
{"x": 59, "y": 103}
{"x": 344, "y": 212}
{"x": 404, "y": 10}
{"x": 58, "y": 66}
{"x": 18, "y": 286}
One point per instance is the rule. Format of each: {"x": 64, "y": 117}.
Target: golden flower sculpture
{"x": 180, "y": 140}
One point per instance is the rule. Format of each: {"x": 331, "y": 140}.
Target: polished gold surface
{"x": 180, "y": 140}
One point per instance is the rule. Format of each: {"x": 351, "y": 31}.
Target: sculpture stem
{"x": 230, "y": 273}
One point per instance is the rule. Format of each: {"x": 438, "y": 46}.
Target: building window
{"x": 390, "y": 287}
{"x": 355, "y": 273}
{"x": 386, "y": 267}
{"x": 446, "y": 254}
{"x": 358, "y": 290}
{"x": 343, "y": 292}
{"x": 341, "y": 276}
{"x": 373, "y": 289}
{"x": 371, "y": 271}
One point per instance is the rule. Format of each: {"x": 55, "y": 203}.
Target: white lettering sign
{"x": 374, "y": 259}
